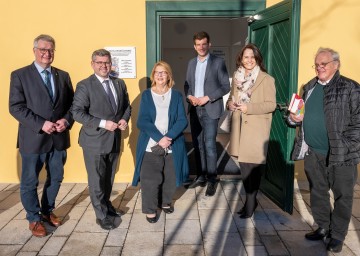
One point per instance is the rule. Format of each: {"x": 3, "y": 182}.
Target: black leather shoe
{"x": 106, "y": 223}
{"x": 319, "y": 234}
{"x": 197, "y": 183}
{"x": 113, "y": 212}
{"x": 152, "y": 220}
{"x": 335, "y": 245}
{"x": 211, "y": 189}
{"x": 168, "y": 210}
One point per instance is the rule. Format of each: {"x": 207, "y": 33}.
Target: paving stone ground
{"x": 200, "y": 225}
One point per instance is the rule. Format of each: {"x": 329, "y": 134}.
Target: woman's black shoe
{"x": 152, "y": 220}
{"x": 245, "y": 216}
{"x": 168, "y": 210}
{"x": 242, "y": 210}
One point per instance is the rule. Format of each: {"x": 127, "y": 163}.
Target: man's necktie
{"x": 48, "y": 83}
{"x": 110, "y": 95}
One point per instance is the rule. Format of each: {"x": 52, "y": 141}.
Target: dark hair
{"x": 257, "y": 55}
{"x": 101, "y": 53}
{"x": 201, "y": 35}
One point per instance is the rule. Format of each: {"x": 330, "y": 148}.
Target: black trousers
{"x": 158, "y": 181}
{"x": 251, "y": 177}
{"x": 341, "y": 180}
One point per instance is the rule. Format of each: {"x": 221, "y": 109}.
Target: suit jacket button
{"x": 245, "y": 122}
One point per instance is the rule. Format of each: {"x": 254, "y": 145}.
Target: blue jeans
{"x": 204, "y": 131}
{"x": 31, "y": 166}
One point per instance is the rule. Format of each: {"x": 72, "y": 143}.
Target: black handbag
{"x": 158, "y": 150}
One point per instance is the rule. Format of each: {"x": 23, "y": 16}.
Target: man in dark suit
{"x": 101, "y": 104}
{"x": 40, "y": 99}
{"x": 207, "y": 81}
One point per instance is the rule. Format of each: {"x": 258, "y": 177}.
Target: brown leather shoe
{"x": 37, "y": 229}
{"x": 52, "y": 219}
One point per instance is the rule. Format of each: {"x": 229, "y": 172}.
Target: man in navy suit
{"x": 40, "y": 99}
{"x": 101, "y": 104}
{"x": 207, "y": 81}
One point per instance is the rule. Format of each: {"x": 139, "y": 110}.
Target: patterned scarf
{"x": 244, "y": 84}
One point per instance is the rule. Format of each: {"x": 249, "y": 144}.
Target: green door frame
{"x": 155, "y": 10}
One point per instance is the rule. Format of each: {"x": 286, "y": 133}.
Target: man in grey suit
{"x": 40, "y": 100}
{"x": 207, "y": 81}
{"x": 101, "y": 104}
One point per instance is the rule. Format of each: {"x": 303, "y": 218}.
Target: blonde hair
{"x": 166, "y": 66}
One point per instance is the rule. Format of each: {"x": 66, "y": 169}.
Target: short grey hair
{"x": 101, "y": 53}
{"x": 335, "y": 55}
{"x": 45, "y": 38}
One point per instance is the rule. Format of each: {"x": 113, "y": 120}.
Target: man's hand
{"x": 49, "y": 127}
{"x": 193, "y": 100}
{"x": 203, "y": 100}
{"x": 122, "y": 124}
{"x": 165, "y": 142}
{"x": 111, "y": 126}
{"x": 296, "y": 118}
{"x": 61, "y": 125}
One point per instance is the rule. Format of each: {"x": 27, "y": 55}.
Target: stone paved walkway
{"x": 199, "y": 226}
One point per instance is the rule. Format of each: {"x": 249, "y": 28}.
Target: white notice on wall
{"x": 123, "y": 61}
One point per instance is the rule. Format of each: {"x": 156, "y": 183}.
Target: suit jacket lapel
{"x": 55, "y": 76}
{"x": 101, "y": 90}
{"x": 259, "y": 80}
{"x": 208, "y": 67}
{"x": 39, "y": 80}
{"x": 117, "y": 87}
{"x": 193, "y": 69}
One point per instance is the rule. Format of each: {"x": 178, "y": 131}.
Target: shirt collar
{"x": 101, "y": 79}
{"x": 323, "y": 83}
{"x": 206, "y": 58}
{"x": 40, "y": 68}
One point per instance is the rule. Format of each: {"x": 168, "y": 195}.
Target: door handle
{"x": 282, "y": 107}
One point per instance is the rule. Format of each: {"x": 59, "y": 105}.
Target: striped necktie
{"x": 48, "y": 83}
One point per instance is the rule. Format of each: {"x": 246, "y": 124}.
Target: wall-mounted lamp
{"x": 251, "y": 19}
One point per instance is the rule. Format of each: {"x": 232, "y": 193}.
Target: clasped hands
{"x": 112, "y": 126}
{"x": 198, "y": 101}
{"x": 59, "y": 126}
{"x": 165, "y": 142}
{"x": 233, "y": 106}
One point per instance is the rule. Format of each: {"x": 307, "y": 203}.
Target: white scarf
{"x": 244, "y": 84}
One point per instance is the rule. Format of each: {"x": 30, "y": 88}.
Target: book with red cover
{"x": 296, "y": 105}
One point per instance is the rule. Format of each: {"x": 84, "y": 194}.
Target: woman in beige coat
{"x": 252, "y": 101}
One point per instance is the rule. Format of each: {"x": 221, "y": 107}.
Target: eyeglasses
{"x": 160, "y": 73}
{"x": 100, "y": 63}
{"x": 321, "y": 65}
{"x": 43, "y": 50}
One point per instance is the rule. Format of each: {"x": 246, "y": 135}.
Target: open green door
{"x": 276, "y": 32}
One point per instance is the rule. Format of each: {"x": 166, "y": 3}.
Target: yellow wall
{"x": 334, "y": 24}
{"x": 79, "y": 27}
{"x": 82, "y": 26}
